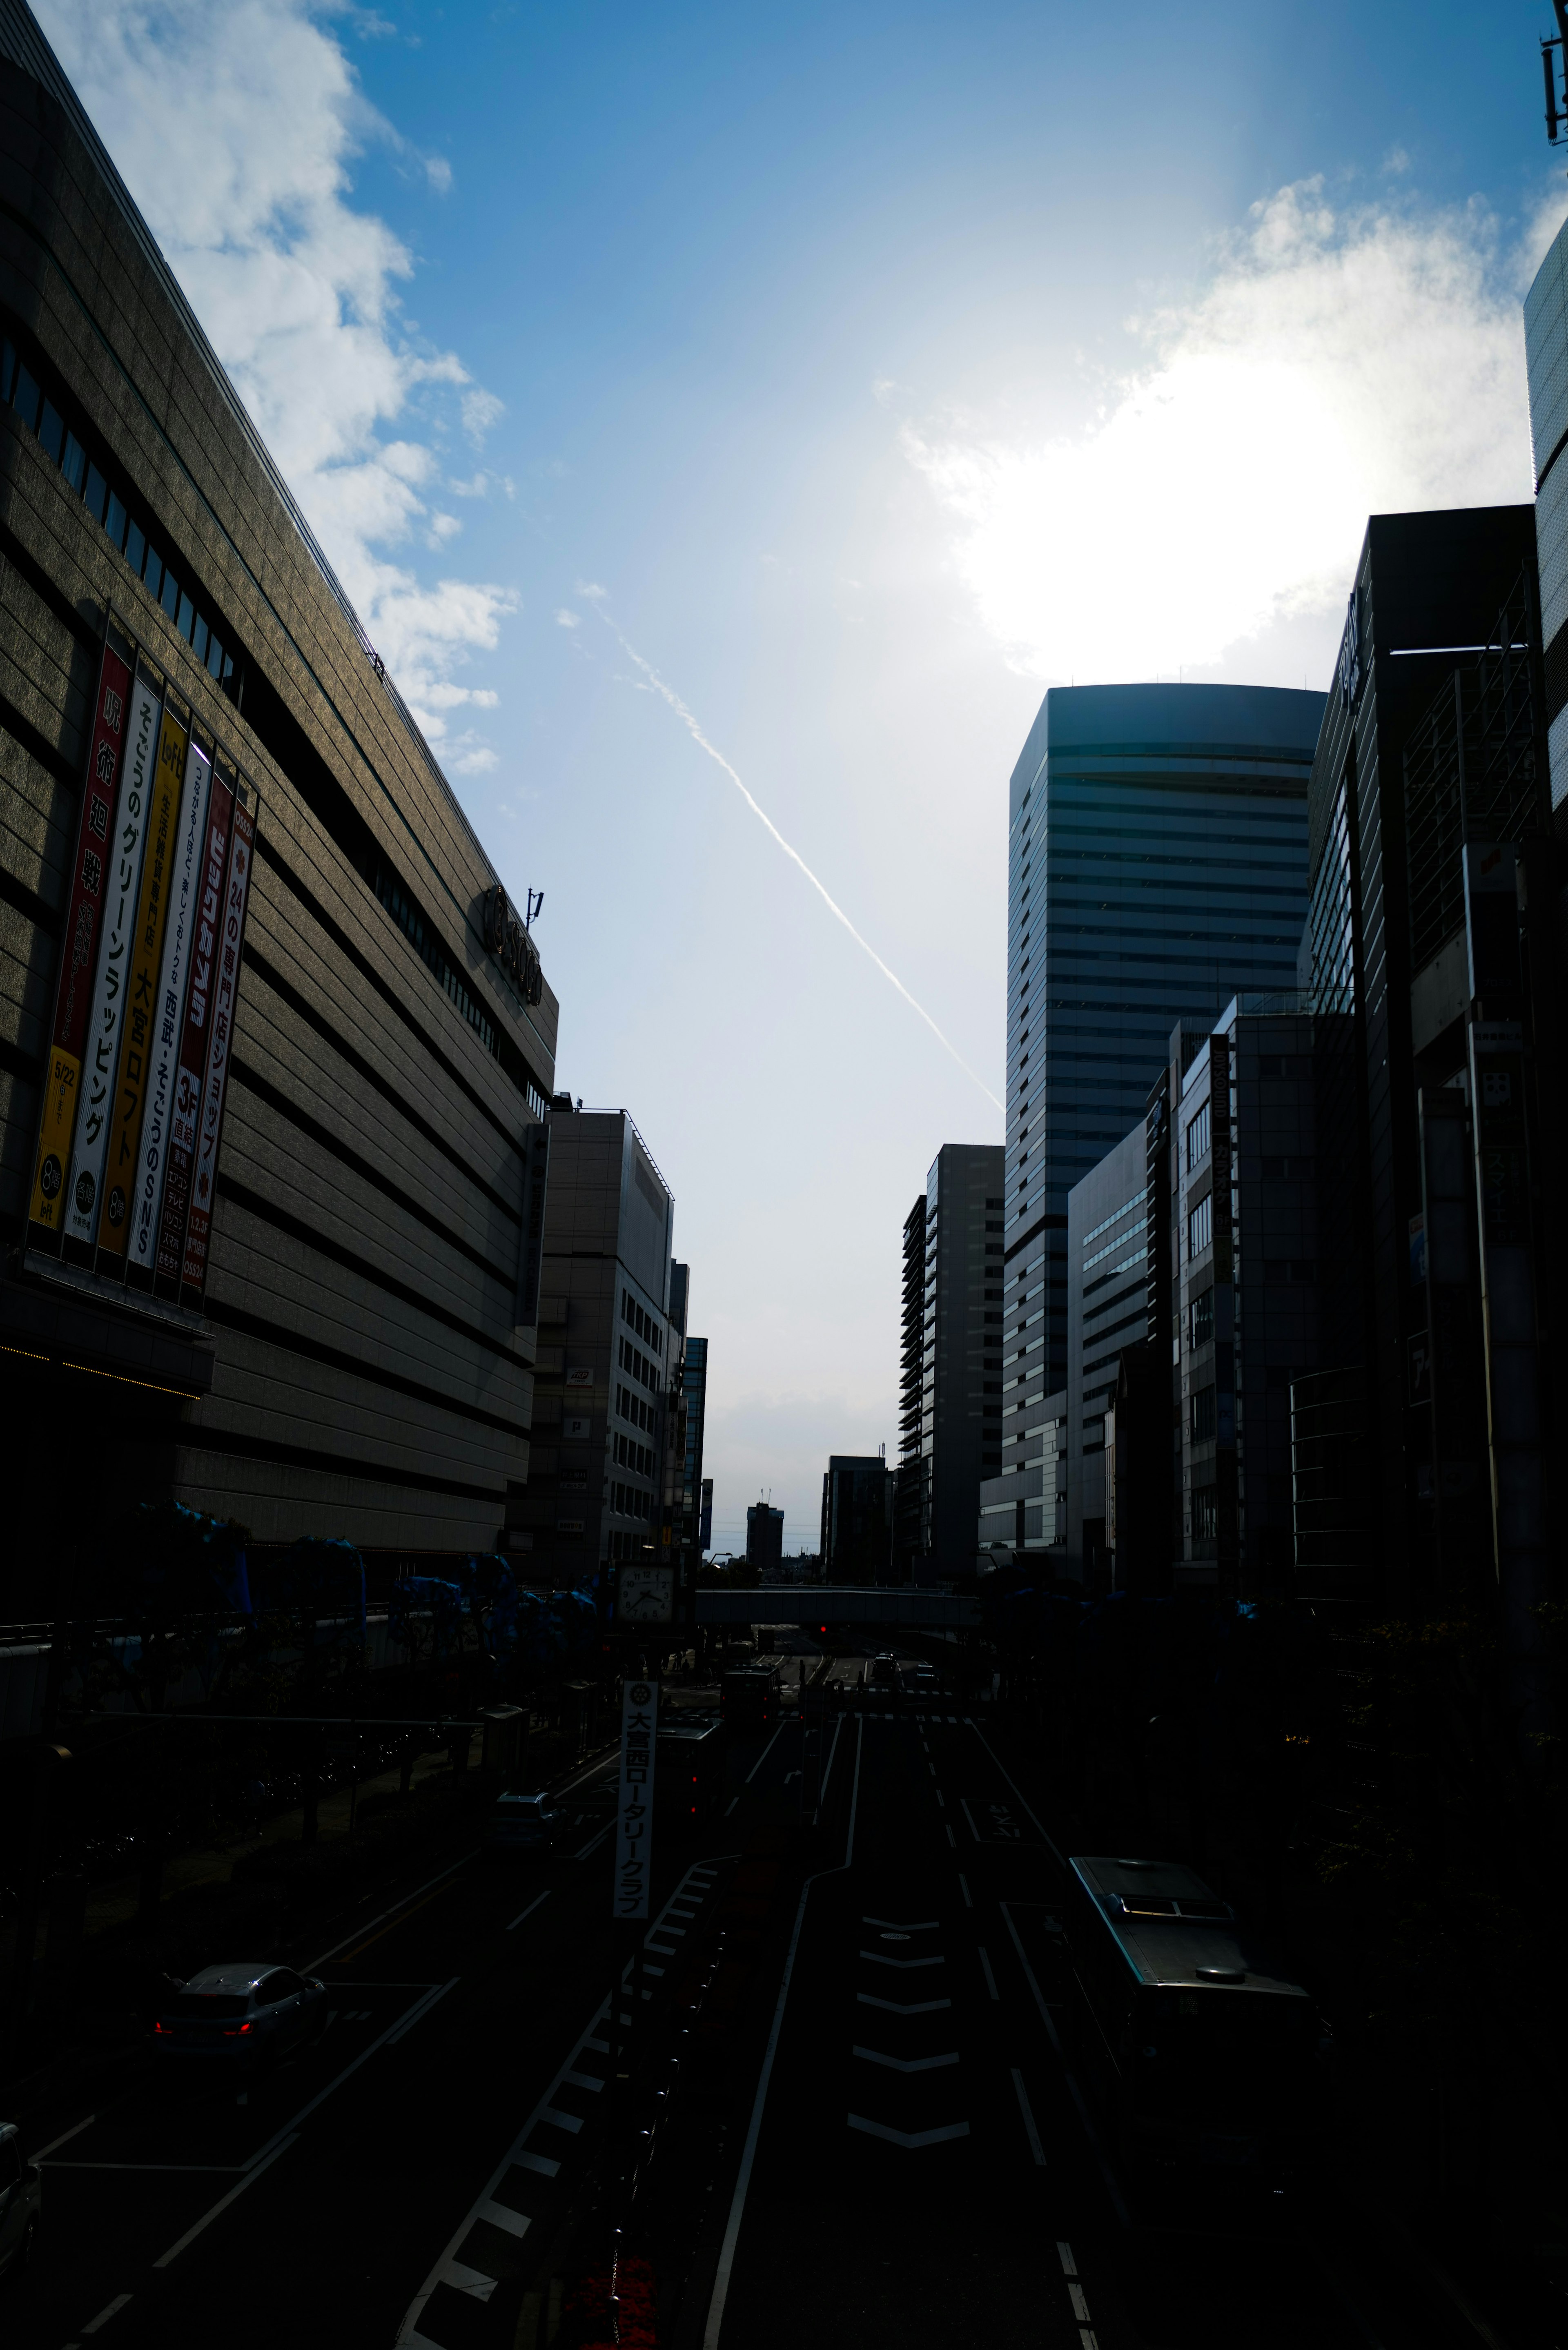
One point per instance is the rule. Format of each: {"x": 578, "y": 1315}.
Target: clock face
{"x": 645, "y": 1595}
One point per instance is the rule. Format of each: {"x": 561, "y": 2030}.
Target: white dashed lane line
{"x": 990, "y": 1978}
{"x": 1024, "y": 2107}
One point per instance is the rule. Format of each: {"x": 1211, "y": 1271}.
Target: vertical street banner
{"x": 139, "y": 1031}
{"x": 128, "y": 848}
{"x": 207, "y": 926}
{"x": 93, "y": 885}
{"x": 634, "y": 1809}
{"x": 168, "y": 1018}
{"x": 214, "y": 1089}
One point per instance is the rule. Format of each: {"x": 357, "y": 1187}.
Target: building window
{"x": 1202, "y": 1313}
{"x": 1201, "y": 1225}
{"x": 1203, "y": 1416}
{"x": 1205, "y": 1512}
{"x": 1197, "y": 1137}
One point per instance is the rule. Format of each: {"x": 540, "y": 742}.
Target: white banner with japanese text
{"x": 634, "y": 1809}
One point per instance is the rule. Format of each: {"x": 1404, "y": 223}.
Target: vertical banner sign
{"x": 531, "y": 1246}
{"x": 207, "y": 925}
{"x": 93, "y": 885}
{"x": 138, "y": 1029}
{"x": 127, "y": 852}
{"x": 167, "y": 1022}
{"x": 236, "y": 897}
{"x": 634, "y": 1812}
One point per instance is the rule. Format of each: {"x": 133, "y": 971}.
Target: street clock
{"x": 645, "y": 1595}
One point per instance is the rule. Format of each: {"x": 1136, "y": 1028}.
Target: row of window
{"x": 1197, "y": 1137}
{"x": 629, "y": 1503}
{"x": 646, "y": 1328}
{"x": 32, "y": 406}
{"x": 634, "y": 1360}
{"x": 1201, "y": 1225}
{"x": 632, "y": 1455}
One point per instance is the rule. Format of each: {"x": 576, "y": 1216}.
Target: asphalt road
{"x": 455, "y": 2088}
{"x": 921, "y": 2163}
{"x": 915, "y": 2162}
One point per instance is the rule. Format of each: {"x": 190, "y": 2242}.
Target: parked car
{"x": 21, "y": 2199}
{"x": 525, "y": 1824}
{"x": 244, "y": 2014}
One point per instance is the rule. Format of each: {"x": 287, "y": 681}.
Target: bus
{"x": 1206, "y": 2054}
{"x": 687, "y": 1768}
{"x": 749, "y": 1698}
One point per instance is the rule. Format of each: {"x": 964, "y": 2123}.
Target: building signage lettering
{"x": 93, "y": 885}
{"x": 214, "y": 1089}
{"x": 634, "y": 1811}
{"x": 173, "y": 980}
{"x": 207, "y": 929}
{"x": 124, "y": 856}
{"x": 140, "y": 1026}
{"x": 511, "y": 945}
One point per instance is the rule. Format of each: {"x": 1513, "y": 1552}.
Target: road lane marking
{"x": 901, "y": 2006}
{"x": 594, "y": 1840}
{"x": 65, "y": 2136}
{"x": 572, "y": 2122}
{"x": 586, "y": 2080}
{"x": 967, "y": 1896}
{"x": 951, "y": 1838}
{"x": 223, "y": 2201}
{"x": 990, "y": 1978}
{"x": 1014, "y": 1784}
{"x": 502, "y": 2215}
{"x": 730, "y": 1806}
{"x": 541, "y": 2162}
{"x": 105, "y": 2314}
{"x": 832, "y": 1759}
{"x": 908, "y": 2137}
{"x": 290, "y": 2128}
{"x": 940, "y": 1798}
{"x": 420, "y": 2009}
{"x": 893, "y": 1925}
{"x": 430, "y": 1883}
{"x": 879, "y": 1959}
{"x": 529, "y": 1911}
{"x": 1080, "y": 2306}
{"x": 763, "y": 1755}
{"x": 1113, "y": 2188}
{"x": 1069, "y": 2265}
{"x": 1036, "y": 2149}
{"x": 905, "y": 2064}
{"x": 213, "y": 2170}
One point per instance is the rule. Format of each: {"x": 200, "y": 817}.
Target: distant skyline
{"x": 869, "y": 371}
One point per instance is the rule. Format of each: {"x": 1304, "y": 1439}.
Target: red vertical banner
{"x": 225, "y": 991}
{"x": 79, "y": 940}
{"x": 206, "y": 954}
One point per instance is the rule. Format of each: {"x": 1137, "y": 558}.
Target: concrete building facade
{"x": 960, "y": 1363}
{"x": 354, "y": 1359}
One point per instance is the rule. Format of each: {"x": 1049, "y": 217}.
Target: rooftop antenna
{"x": 1555, "y": 77}
{"x": 535, "y": 906}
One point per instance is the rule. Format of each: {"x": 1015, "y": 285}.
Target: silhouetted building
{"x": 696, "y": 1490}
{"x": 1156, "y": 867}
{"x": 960, "y": 1394}
{"x": 857, "y": 1519}
{"x": 764, "y": 1537}
{"x": 1024, "y": 1513}
{"x": 910, "y": 1499}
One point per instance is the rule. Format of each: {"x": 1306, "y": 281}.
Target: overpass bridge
{"x": 812, "y": 1605}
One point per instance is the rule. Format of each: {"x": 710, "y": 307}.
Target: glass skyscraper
{"x": 1157, "y": 867}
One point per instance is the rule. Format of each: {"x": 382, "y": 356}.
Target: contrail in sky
{"x": 693, "y": 727}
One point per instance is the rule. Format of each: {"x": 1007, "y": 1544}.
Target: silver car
{"x": 21, "y": 2196}
{"x": 525, "y": 1824}
{"x": 244, "y": 2014}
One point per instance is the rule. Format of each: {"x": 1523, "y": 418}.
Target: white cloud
{"x": 565, "y": 619}
{"x": 480, "y": 410}
{"x": 1335, "y": 365}
{"x": 246, "y": 119}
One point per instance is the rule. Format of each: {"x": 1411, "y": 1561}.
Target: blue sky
{"x": 860, "y": 371}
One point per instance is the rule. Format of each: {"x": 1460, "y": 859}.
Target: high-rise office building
{"x": 1434, "y": 881}
{"x": 610, "y": 1374}
{"x": 909, "y": 1490}
{"x": 960, "y": 1432}
{"x": 857, "y": 1518}
{"x": 764, "y": 1536}
{"x": 693, "y": 1483}
{"x": 1546, "y": 361}
{"x": 1156, "y": 867}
